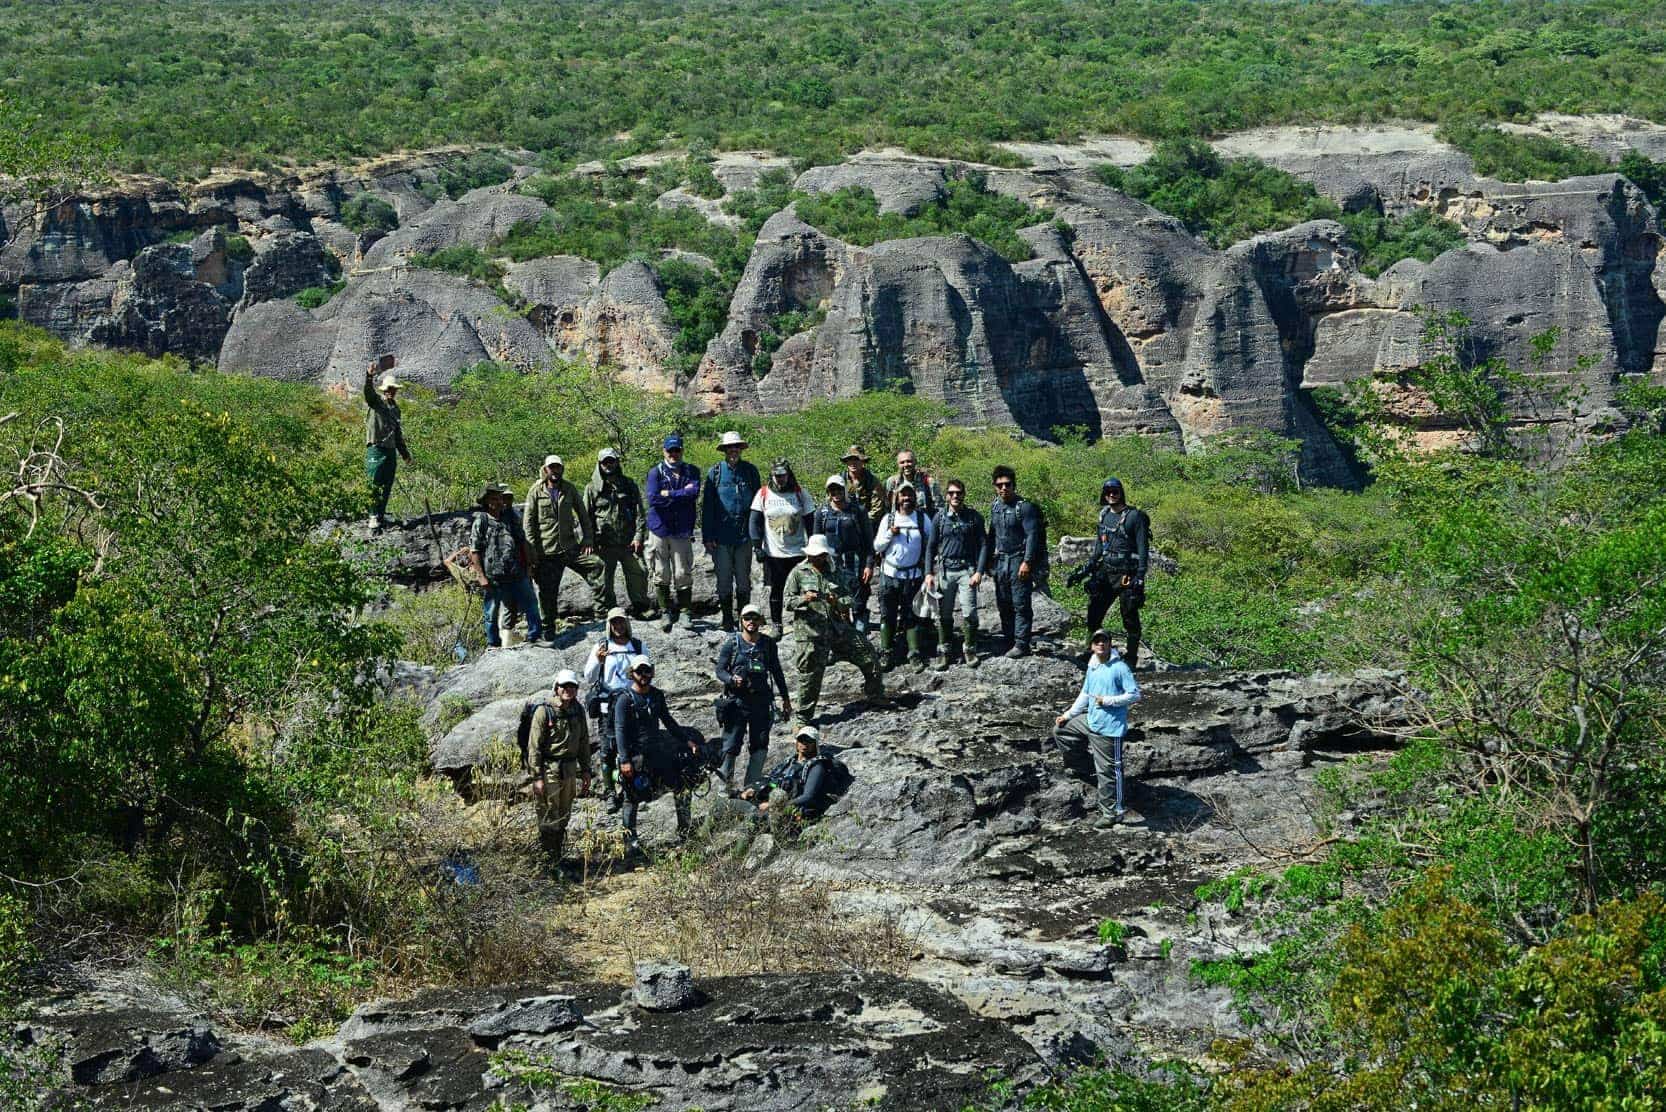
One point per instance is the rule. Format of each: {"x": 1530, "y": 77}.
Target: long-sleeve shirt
{"x": 805, "y": 782}
{"x": 555, "y": 520}
{"x": 1107, "y": 693}
{"x": 613, "y": 671}
{"x": 779, "y": 520}
{"x": 726, "y": 505}
{"x": 615, "y": 508}
{"x": 1124, "y": 544}
{"x": 559, "y": 734}
{"x": 637, "y": 721}
{"x": 959, "y": 541}
{"x": 903, "y": 540}
{"x": 673, "y": 499}
{"x": 1016, "y": 530}
{"x": 749, "y": 666}
{"x": 382, "y": 427}
{"x": 866, "y": 491}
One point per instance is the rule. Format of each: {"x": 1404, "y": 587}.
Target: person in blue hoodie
{"x": 725, "y": 522}
{"x": 1096, "y": 722}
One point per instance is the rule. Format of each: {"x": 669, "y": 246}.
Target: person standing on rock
{"x": 909, "y": 474}
{"x": 673, "y": 501}
{"x": 497, "y": 553}
{"x": 903, "y": 541}
{"x": 747, "y": 664}
{"x": 780, "y": 512}
{"x": 643, "y": 747}
{"x": 606, "y": 675}
{"x": 849, "y": 534}
{"x": 558, "y": 537}
{"x": 862, "y": 486}
{"x": 821, "y": 625}
{"x": 559, "y": 762}
{"x": 956, "y": 565}
{"x": 1016, "y": 554}
{"x": 1121, "y": 555}
{"x": 614, "y": 505}
{"x": 384, "y": 437}
{"x": 725, "y": 525}
{"x": 1097, "y": 721}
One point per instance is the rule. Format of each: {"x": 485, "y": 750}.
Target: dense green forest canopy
{"x": 176, "y": 86}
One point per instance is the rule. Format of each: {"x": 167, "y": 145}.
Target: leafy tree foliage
{"x": 366, "y": 212}
{"x": 967, "y": 208}
{"x": 1508, "y": 156}
{"x": 1383, "y": 241}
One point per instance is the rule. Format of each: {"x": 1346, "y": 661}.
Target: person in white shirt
{"x": 779, "y": 524}
{"x": 902, "y": 540}
{"x": 606, "y": 673}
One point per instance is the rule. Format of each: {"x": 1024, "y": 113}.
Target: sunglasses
{"x": 1002, "y": 485}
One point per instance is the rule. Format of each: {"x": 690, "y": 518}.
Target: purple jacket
{"x": 673, "y": 494}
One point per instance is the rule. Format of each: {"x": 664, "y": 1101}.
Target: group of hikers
{"x": 913, "y": 545}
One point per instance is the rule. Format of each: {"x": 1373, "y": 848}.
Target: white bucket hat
{"x": 817, "y": 546}
{"x": 731, "y": 440}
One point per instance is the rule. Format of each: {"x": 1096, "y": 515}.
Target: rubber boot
{"x": 1132, "y": 656}
{"x": 916, "y": 655}
{"x": 950, "y": 647}
{"x": 969, "y": 650}
{"x": 667, "y": 614}
{"x": 728, "y": 606}
{"x": 755, "y": 765}
{"x": 685, "y": 608}
{"x": 886, "y": 633}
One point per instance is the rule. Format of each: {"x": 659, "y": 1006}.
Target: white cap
{"x": 808, "y": 733}
{"x": 553, "y": 461}
{"x": 834, "y": 481}
{"x": 750, "y": 610}
{"x": 606, "y": 453}
{"x": 638, "y": 662}
{"x": 565, "y": 677}
{"x": 817, "y": 546}
{"x": 389, "y": 382}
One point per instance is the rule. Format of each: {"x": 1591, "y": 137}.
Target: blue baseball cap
{"x": 672, "y": 441}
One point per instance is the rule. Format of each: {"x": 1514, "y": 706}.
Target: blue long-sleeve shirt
{"x": 1107, "y": 693}
{"x": 726, "y": 505}
{"x": 673, "y": 497}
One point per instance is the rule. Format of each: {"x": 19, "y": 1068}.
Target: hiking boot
{"x": 941, "y": 664}
{"x": 1018, "y": 652}
{"x": 667, "y": 616}
{"x": 728, "y": 615}
{"x": 685, "y": 608}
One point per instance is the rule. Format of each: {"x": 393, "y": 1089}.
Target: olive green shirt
{"x": 558, "y": 736}
{"x": 382, "y": 427}
{"x": 831, "y": 608}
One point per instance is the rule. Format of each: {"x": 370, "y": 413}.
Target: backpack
{"x": 523, "y": 734}
{"x": 597, "y": 695}
{"x": 919, "y": 527}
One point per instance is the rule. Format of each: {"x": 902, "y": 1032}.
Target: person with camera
{"x": 747, "y": 664}
{"x": 645, "y": 740}
{"x": 384, "y": 436}
{"x": 606, "y": 675}
{"x": 1116, "y": 570}
{"x": 804, "y": 782}
{"x": 559, "y": 759}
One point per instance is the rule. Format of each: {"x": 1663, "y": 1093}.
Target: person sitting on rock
{"x": 747, "y": 664}
{"x": 497, "y": 549}
{"x": 803, "y": 782}
{"x": 559, "y": 760}
{"x": 821, "y": 625}
{"x": 644, "y": 738}
{"x": 558, "y": 537}
{"x": 606, "y": 675}
{"x": 1096, "y": 723}
{"x": 384, "y": 437}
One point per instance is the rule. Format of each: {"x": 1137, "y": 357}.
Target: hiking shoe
{"x": 1018, "y": 652}
{"x": 1106, "y": 822}
{"x": 685, "y": 620}
{"x": 941, "y": 664}
{"x": 917, "y": 665}
{"x": 667, "y": 621}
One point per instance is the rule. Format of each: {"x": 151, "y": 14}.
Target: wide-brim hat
{"x": 854, "y": 452}
{"x": 490, "y": 489}
{"x": 817, "y": 546}
{"x": 731, "y": 440}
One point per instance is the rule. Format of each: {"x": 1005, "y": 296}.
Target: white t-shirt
{"x": 784, "y": 517}
{"x": 615, "y": 670}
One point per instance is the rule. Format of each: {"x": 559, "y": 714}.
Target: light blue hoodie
{"x": 1108, "y": 690}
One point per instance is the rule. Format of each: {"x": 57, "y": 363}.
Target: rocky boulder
{"x": 159, "y": 307}
{"x": 478, "y": 218}
{"x": 284, "y": 265}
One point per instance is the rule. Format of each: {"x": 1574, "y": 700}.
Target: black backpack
{"x": 523, "y": 734}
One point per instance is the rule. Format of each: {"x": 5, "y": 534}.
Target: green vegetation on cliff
{"x": 176, "y": 86}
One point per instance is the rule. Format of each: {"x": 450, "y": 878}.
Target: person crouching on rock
{"x": 645, "y": 750}
{"x": 1096, "y": 722}
{"x": 804, "y": 782}
{"x": 560, "y": 762}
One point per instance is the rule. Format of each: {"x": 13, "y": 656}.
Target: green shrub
{"x": 238, "y": 249}
{"x": 967, "y": 208}
{"x": 366, "y": 212}
{"x": 1508, "y": 156}
{"x": 698, "y": 300}
{"x": 316, "y": 297}
{"x": 1383, "y": 241}
{"x": 1646, "y": 174}
{"x": 467, "y": 261}
{"x": 1219, "y": 199}
{"x": 476, "y": 171}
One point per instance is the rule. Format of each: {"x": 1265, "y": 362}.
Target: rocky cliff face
{"x": 1122, "y": 324}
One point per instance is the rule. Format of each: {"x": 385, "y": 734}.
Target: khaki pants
{"x": 555, "y": 807}
{"x": 671, "y": 560}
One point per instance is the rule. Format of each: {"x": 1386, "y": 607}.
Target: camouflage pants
{"x": 841, "y": 642}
